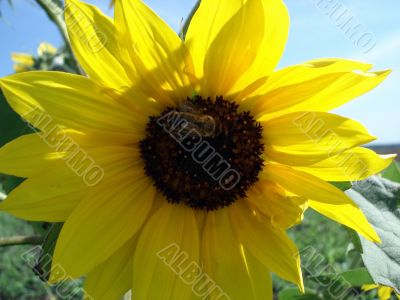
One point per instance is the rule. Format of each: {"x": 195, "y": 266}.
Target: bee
{"x": 198, "y": 122}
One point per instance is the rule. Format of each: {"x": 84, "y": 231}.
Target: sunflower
{"x": 178, "y": 165}
{"x": 26, "y": 62}
{"x": 384, "y": 292}
{"x": 22, "y": 61}
{"x": 46, "y": 49}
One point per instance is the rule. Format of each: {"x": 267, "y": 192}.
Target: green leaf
{"x": 378, "y": 198}
{"x": 355, "y": 239}
{"x": 336, "y": 285}
{"x": 357, "y": 277}
{"x": 295, "y": 294}
{"x": 11, "y": 182}
{"x": 11, "y": 124}
{"x": 345, "y": 280}
{"x": 11, "y": 127}
{"x": 344, "y": 186}
{"x": 392, "y": 172}
{"x": 43, "y": 266}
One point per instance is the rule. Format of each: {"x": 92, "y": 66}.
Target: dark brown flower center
{"x": 203, "y": 153}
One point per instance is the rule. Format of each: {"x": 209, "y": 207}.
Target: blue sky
{"x": 314, "y": 34}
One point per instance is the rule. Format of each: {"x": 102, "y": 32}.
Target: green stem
{"x": 55, "y": 12}
{"x": 20, "y": 240}
{"x": 188, "y": 20}
{"x": 2, "y": 196}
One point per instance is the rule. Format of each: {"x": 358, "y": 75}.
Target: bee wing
{"x": 188, "y": 107}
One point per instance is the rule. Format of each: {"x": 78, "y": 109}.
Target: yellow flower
{"x": 204, "y": 155}
{"x": 384, "y": 292}
{"x": 23, "y": 62}
{"x": 46, "y": 48}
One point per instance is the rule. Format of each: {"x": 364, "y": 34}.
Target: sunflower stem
{"x": 20, "y": 240}
{"x": 185, "y": 26}
{"x": 55, "y": 12}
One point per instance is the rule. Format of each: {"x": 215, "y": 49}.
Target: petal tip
{"x": 389, "y": 158}
{"x": 371, "y": 138}
{"x": 300, "y": 284}
{"x": 370, "y": 234}
{"x": 375, "y": 238}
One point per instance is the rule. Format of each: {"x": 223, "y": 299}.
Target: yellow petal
{"x": 233, "y": 50}
{"x": 96, "y": 138}
{"x": 303, "y": 138}
{"x": 167, "y": 250}
{"x": 272, "y": 201}
{"x": 351, "y": 165}
{"x": 45, "y": 149}
{"x": 369, "y": 287}
{"x": 102, "y": 217}
{"x": 229, "y": 269}
{"x": 23, "y": 59}
{"x": 317, "y": 93}
{"x": 384, "y": 292}
{"x": 23, "y": 62}
{"x": 276, "y": 33}
{"x": 160, "y": 59}
{"x": 26, "y": 156}
{"x": 52, "y": 99}
{"x": 310, "y": 70}
{"x": 271, "y": 246}
{"x": 113, "y": 278}
{"x": 260, "y": 278}
{"x": 206, "y": 24}
{"x": 46, "y": 48}
{"x": 20, "y": 68}
{"x": 93, "y": 41}
{"x": 49, "y": 196}
{"x": 323, "y": 197}
{"x": 52, "y": 194}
